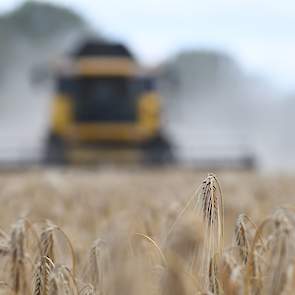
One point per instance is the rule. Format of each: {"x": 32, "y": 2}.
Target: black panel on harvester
{"x": 97, "y": 48}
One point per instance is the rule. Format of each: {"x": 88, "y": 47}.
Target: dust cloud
{"x": 215, "y": 110}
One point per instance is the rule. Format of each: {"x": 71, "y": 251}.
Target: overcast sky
{"x": 260, "y": 34}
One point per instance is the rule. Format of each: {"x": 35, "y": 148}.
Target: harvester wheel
{"x": 55, "y": 151}
{"x": 158, "y": 151}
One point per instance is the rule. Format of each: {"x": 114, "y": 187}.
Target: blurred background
{"x": 223, "y": 73}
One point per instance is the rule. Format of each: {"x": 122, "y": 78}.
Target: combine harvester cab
{"x": 105, "y": 110}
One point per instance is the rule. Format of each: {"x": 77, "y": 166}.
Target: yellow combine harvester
{"x": 105, "y": 109}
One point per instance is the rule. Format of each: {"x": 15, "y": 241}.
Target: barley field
{"x": 170, "y": 231}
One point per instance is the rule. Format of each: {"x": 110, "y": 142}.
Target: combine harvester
{"x": 106, "y": 109}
